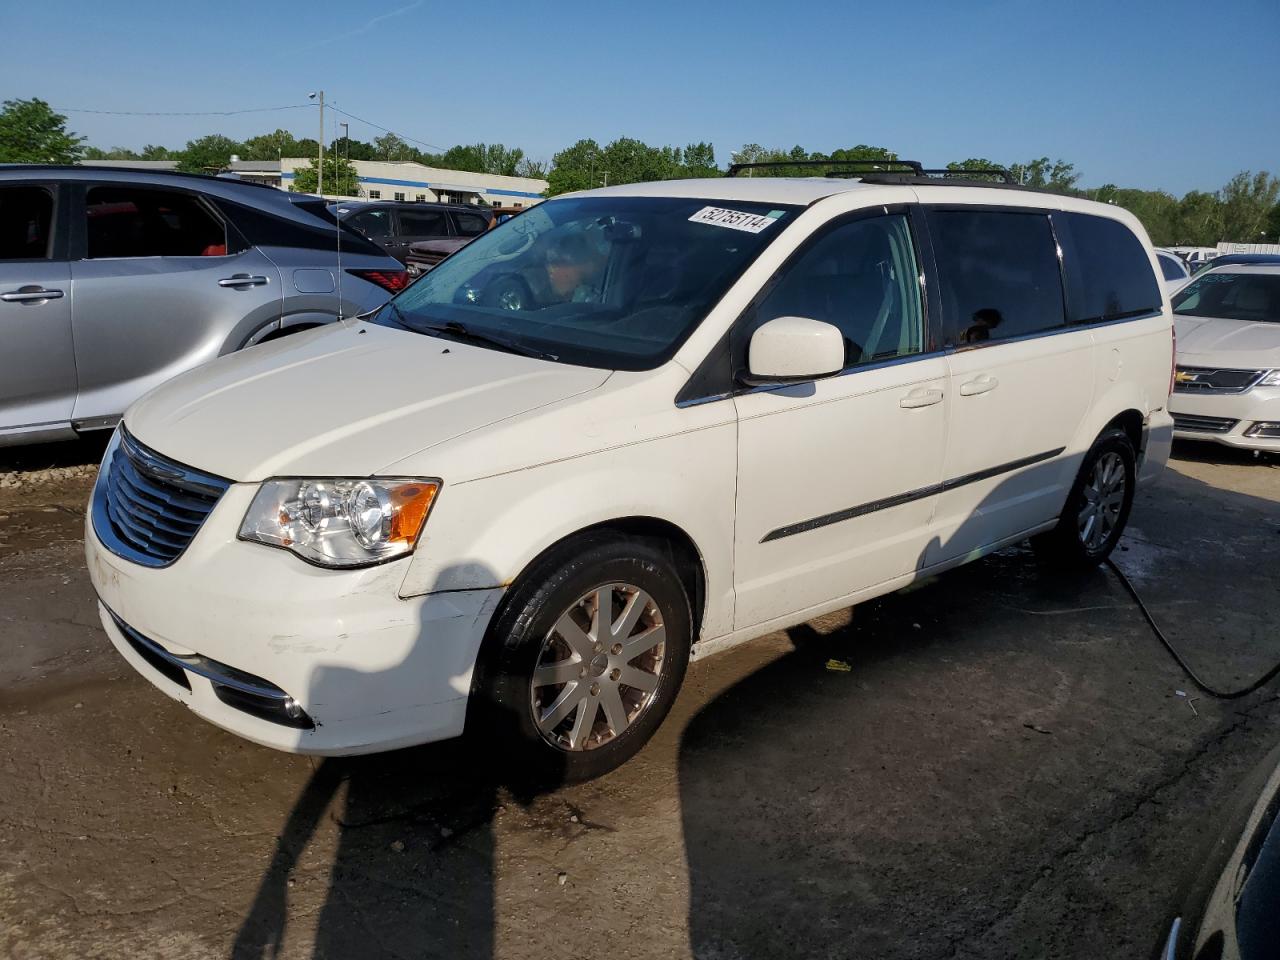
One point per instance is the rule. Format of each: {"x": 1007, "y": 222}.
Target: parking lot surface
{"x": 1005, "y": 769}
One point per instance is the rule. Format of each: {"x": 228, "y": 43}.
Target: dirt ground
{"x": 1006, "y": 771}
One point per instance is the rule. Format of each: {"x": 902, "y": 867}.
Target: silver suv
{"x": 112, "y": 281}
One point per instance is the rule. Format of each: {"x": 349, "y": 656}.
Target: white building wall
{"x": 408, "y": 180}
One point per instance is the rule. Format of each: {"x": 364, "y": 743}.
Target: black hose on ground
{"x": 1173, "y": 652}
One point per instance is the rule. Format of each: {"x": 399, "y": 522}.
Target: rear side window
{"x": 1171, "y": 269}
{"x": 423, "y": 223}
{"x": 999, "y": 272}
{"x": 132, "y": 222}
{"x": 1109, "y": 275}
{"x": 26, "y": 223}
{"x": 372, "y": 223}
{"x": 471, "y": 224}
{"x": 312, "y": 227}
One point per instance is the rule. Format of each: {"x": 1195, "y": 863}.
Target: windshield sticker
{"x": 736, "y": 219}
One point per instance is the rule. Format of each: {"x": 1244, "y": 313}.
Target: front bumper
{"x": 368, "y": 670}
{"x": 1227, "y": 418}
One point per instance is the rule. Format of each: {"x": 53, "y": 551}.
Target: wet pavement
{"x": 1006, "y": 770}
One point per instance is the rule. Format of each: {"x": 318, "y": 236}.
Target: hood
{"x": 1240, "y": 344}
{"x": 344, "y": 400}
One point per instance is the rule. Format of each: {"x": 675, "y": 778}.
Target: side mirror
{"x": 790, "y": 349}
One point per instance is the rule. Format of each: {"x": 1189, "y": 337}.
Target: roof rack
{"x": 879, "y": 166}
{"x": 881, "y": 171}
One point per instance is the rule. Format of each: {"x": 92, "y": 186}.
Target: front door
{"x": 161, "y": 285}
{"x": 1021, "y": 378}
{"x": 837, "y": 477}
{"x": 37, "y": 361}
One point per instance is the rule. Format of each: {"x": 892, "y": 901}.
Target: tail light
{"x": 391, "y": 280}
{"x": 1173, "y": 361}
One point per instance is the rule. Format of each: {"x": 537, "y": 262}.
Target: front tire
{"x": 585, "y": 658}
{"x": 1098, "y": 505}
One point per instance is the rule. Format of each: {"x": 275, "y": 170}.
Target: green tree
{"x": 153, "y": 152}
{"x": 1045, "y": 173}
{"x": 391, "y": 147}
{"x": 1247, "y": 202}
{"x": 273, "y": 146}
{"x": 1157, "y": 210}
{"x": 535, "y": 169}
{"x": 1273, "y": 224}
{"x": 31, "y": 132}
{"x": 351, "y": 149}
{"x": 700, "y": 161}
{"x": 1199, "y": 220}
{"x": 115, "y": 153}
{"x": 208, "y": 154}
{"x": 340, "y": 177}
{"x": 975, "y": 163}
{"x": 574, "y": 168}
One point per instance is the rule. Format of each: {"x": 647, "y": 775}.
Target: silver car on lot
{"x": 112, "y": 281}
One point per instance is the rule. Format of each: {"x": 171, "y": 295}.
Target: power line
{"x": 182, "y": 113}
{"x": 377, "y": 126}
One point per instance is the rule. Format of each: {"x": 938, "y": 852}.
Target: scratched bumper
{"x": 373, "y": 671}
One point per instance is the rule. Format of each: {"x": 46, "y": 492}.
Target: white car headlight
{"x": 340, "y": 522}
{"x": 1272, "y": 379}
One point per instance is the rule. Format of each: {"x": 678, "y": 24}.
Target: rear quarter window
{"x": 1109, "y": 275}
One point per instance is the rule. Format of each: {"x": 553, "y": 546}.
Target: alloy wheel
{"x": 599, "y": 667}
{"x": 1103, "y": 500}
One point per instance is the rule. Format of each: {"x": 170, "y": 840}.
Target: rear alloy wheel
{"x": 1097, "y": 507}
{"x": 584, "y": 657}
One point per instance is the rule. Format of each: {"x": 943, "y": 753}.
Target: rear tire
{"x": 569, "y": 694}
{"x": 1097, "y": 508}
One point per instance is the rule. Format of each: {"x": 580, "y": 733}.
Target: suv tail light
{"x": 390, "y": 280}
{"x": 1173, "y": 362}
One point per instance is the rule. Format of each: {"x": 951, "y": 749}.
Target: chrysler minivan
{"x": 627, "y": 429}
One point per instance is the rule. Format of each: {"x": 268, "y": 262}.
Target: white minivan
{"x": 626, "y": 429}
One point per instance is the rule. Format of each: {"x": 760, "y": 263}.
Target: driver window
{"x": 861, "y": 277}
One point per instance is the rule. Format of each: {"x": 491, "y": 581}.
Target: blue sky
{"x": 1174, "y": 95}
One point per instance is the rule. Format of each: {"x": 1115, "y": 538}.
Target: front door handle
{"x": 921, "y": 397}
{"x": 982, "y": 384}
{"x": 30, "y": 294}
{"x": 242, "y": 280}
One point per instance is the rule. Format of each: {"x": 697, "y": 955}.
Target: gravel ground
{"x": 1005, "y": 771}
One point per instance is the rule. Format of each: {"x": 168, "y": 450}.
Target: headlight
{"x": 1272, "y": 379}
{"x": 340, "y": 522}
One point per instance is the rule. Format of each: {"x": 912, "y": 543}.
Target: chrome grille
{"x": 146, "y": 507}
{"x": 1215, "y": 380}
{"x": 1183, "y": 421}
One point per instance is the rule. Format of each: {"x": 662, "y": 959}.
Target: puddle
{"x": 33, "y": 528}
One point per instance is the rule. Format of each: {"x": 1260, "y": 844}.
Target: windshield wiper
{"x": 464, "y": 333}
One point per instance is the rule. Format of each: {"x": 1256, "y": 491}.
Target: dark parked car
{"x": 1228, "y": 907}
{"x": 1238, "y": 259}
{"x": 394, "y": 225}
{"x": 114, "y": 280}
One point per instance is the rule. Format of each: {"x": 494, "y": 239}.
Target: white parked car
{"x": 1173, "y": 271}
{"x": 626, "y": 429}
{"x": 1227, "y": 386}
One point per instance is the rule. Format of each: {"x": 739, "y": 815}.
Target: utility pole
{"x": 320, "y": 168}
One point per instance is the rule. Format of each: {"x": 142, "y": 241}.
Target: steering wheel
{"x": 509, "y": 292}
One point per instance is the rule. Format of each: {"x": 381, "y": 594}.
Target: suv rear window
{"x": 133, "y": 222}
{"x": 26, "y": 219}
{"x": 999, "y": 272}
{"x": 470, "y": 224}
{"x": 1109, "y": 275}
{"x": 423, "y": 223}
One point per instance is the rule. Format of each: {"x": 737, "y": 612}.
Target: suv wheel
{"x": 1098, "y": 506}
{"x": 585, "y": 657}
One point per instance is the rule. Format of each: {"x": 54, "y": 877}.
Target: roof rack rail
{"x": 876, "y": 166}
{"x": 881, "y": 171}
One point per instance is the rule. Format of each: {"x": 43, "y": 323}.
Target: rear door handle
{"x": 982, "y": 384}
{"x": 921, "y": 397}
{"x": 242, "y": 280}
{"x": 30, "y": 294}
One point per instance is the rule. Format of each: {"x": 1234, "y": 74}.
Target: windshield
{"x": 612, "y": 282}
{"x": 1235, "y": 296}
